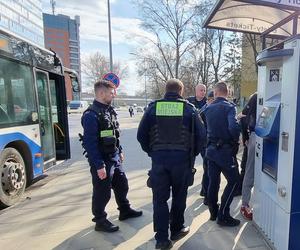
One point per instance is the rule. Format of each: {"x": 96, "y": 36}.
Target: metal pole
{"x": 109, "y": 34}
{"x": 145, "y": 82}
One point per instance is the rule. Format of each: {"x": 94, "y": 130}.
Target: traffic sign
{"x": 113, "y": 78}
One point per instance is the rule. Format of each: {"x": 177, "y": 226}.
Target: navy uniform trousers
{"x": 102, "y": 191}
{"x": 205, "y": 177}
{"x": 232, "y": 176}
{"x": 168, "y": 175}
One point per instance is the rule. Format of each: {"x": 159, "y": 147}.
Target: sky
{"x": 126, "y": 32}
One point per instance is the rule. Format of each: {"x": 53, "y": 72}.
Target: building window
{"x": 73, "y": 55}
{"x": 73, "y": 43}
{"x": 73, "y": 49}
{"x": 74, "y": 61}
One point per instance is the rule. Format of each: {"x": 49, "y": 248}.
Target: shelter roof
{"x": 256, "y": 16}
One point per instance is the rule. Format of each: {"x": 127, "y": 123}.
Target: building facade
{"x": 62, "y": 36}
{"x": 249, "y": 67}
{"x": 24, "y": 18}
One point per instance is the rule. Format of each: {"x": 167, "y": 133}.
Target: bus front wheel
{"x": 13, "y": 177}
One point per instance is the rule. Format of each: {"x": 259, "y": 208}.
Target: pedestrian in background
{"x": 131, "y": 112}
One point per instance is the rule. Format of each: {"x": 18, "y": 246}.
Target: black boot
{"x": 237, "y": 192}
{"x": 228, "y": 221}
{"x": 164, "y": 245}
{"x": 205, "y": 201}
{"x": 213, "y": 212}
{"x": 129, "y": 213}
{"x": 202, "y": 193}
{"x": 106, "y": 226}
{"x": 180, "y": 234}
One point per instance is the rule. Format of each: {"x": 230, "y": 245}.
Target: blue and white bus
{"x": 33, "y": 114}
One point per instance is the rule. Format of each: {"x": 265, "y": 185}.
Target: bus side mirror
{"x": 34, "y": 116}
{"x": 75, "y": 85}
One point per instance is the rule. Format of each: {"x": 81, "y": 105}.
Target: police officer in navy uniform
{"x": 172, "y": 134}
{"x": 104, "y": 153}
{"x": 205, "y": 178}
{"x": 200, "y": 102}
{"x": 223, "y": 135}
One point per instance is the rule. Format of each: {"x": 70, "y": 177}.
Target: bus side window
{"x": 17, "y": 96}
{"x": 3, "y": 108}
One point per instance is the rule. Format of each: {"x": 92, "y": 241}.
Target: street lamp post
{"x": 145, "y": 75}
{"x": 109, "y": 34}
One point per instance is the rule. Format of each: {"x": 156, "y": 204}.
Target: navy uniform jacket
{"x": 197, "y": 104}
{"x": 221, "y": 125}
{"x": 91, "y": 131}
{"x": 176, "y": 156}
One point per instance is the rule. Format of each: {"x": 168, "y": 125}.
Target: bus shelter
{"x": 268, "y": 18}
{"x": 275, "y": 200}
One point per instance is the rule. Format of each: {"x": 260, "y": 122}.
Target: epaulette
{"x": 232, "y": 103}
{"x": 191, "y": 98}
{"x": 95, "y": 110}
{"x": 151, "y": 103}
{"x": 190, "y": 104}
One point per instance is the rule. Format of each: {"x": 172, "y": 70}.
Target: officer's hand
{"x": 121, "y": 157}
{"x": 240, "y": 116}
{"x": 102, "y": 173}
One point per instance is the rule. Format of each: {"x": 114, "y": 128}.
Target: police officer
{"x": 223, "y": 135}
{"x": 172, "y": 135}
{"x": 205, "y": 178}
{"x": 200, "y": 102}
{"x": 104, "y": 153}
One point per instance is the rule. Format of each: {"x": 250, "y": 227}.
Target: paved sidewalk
{"x": 56, "y": 215}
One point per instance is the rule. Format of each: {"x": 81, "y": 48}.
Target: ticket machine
{"x": 276, "y": 198}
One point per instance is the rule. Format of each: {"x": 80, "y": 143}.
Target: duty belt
{"x": 169, "y": 147}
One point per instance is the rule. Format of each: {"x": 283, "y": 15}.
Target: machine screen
{"x": 266, "y": 117}
{"x": 267, "y": 127}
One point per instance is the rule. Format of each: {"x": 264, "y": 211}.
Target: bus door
{"x": 45, "y": 117}
{"x": 60, "y": 116}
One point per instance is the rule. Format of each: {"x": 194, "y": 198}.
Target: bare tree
{"x": 233, "y": 61}
{"x": 181, "y": 48}
{"x": 96, "y": 66}
{"x": 215, "y": 41}
{"x": 169, "y": 21}
{"x": 210, "y": 47}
